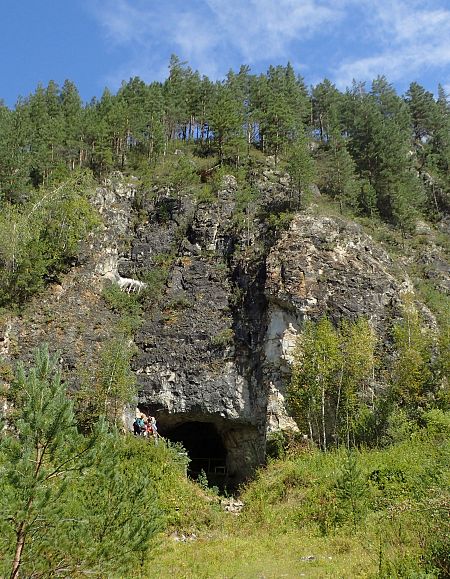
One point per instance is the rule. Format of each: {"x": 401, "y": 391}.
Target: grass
{"x": 295, "y": 522}
{"x": 261, "y": 554}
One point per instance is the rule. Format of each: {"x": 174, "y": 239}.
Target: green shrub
{"x": 351, "y": 490}
{"x": 223, "y": 339}
{"x": 126, "y": 305}
{"x": 437, "y": 423}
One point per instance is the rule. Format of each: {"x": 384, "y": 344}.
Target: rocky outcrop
{"x": 71, "y": 315}
{"x": 191, "y": 365}
{"x": 323, "y": 266}
{"x": 215, "y": 349}
{"x": 329, "y": 266}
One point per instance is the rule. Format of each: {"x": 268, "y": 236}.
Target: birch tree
{"x": 314, "y": 377}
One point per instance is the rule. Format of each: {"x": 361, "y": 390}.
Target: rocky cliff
{"x": 214, "y": 351}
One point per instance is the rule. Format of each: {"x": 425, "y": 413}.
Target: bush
{"x": 223, "y": 339}
{"x": 126, "y": 305}
{"x": 40, "y": 239}
{"x": 437, "y": 423}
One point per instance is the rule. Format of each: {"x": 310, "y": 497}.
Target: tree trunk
{"x": 348, "y": 431}
{"x": 19, "y": 549}
{"x": 338, "y": 402}
{"x": 323, "y": 418}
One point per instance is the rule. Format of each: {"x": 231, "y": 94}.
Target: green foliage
{"x": 439, "y": 303}
{"x": 330, "y": 377}
{"x": 358, "y": 343}
{"x": 118, "y": 504}
{"x": 280, "y": 221}
{"x": 177, "y": 173}
{"x": 74, "y": 505}
{"x": 314, "y": 377}
{"x": 205, "y": 194}
{"x": 127, "y": 305}
{"x": 332, "y": 392}
{"x": 337, "y": 173}
{"x": 437, "y": 423}
{"x": 111, "y": 388}
{"x": 223, "y": 339}
{"x": 301, "y": 169}
{"x": 411, "y": 370}
{"x": 156, "y": 279}
{"x": 399, "y": 426}
{"x": 40, "y": 239}
{"x": 351, "y": 490}
{"x": 226, "y": 117}
{"x": 40, "y": 452}
{"x": 393, "y": 501}
{"x": 377, "y": 153}
{"x": 202, "y": 480}
{"x": 276, "y": 445}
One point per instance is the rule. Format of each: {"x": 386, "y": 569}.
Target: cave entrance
{"x": 205, "y": 448}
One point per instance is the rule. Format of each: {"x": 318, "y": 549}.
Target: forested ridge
{"x": 375, "y": 152}
{"x": 366, "y": 492}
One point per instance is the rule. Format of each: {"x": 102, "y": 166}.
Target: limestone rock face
{"x": 71, "y": 316}
{"x": 191, "y": 365}
{"x": 323, "y": 266}
{"x": 215, "y": 350}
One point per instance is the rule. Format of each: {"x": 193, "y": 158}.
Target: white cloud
{"x": 205, "y": 31}
{"x": 120, "y": 20}
{"x": 398, "y": 38}
{"x": 408, "y": 38}
{"x": 267, "y": 28}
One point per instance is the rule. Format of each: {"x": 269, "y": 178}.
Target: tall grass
{"x": 371, "y": 513}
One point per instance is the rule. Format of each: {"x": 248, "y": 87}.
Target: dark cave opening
{"x": 205, "y": 448}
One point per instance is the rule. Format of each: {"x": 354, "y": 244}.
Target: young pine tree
{"x": 40, "y": 451}
{"x": 351, "y": 489}
{"x": 70, "y": 505}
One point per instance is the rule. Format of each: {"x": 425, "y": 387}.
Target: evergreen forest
{"x": 377, "y": 153}
{"x": 366, "y": 492}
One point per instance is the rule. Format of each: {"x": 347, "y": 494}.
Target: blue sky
{"x": 98, "y": 43}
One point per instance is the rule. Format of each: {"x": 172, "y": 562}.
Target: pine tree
{"x": 301, "y": 168}
{"x": 338, "y": 176}
{"x": 73, "y": 147}
{"x": 326, "y": 106}
{"x": 283, "y": 107}
{"x": 176, "y": 98}
{"x": 351, "y": 489}
{"x": 113, "y": 513}
{"x": 70, "y": 505}
{"x": 13, "y": 157}
{"x": 422, "y": 107}
{"x": 378, "y": 125}
{"x": 225, "y": 120}
{"x": 40, "y": 451}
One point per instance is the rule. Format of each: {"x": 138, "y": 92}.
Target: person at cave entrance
{"x": 149, "y": 427}
{"x": 152, "y": 422}
{"x": 138, "y": 426}
{"x": 136, "y": 429}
